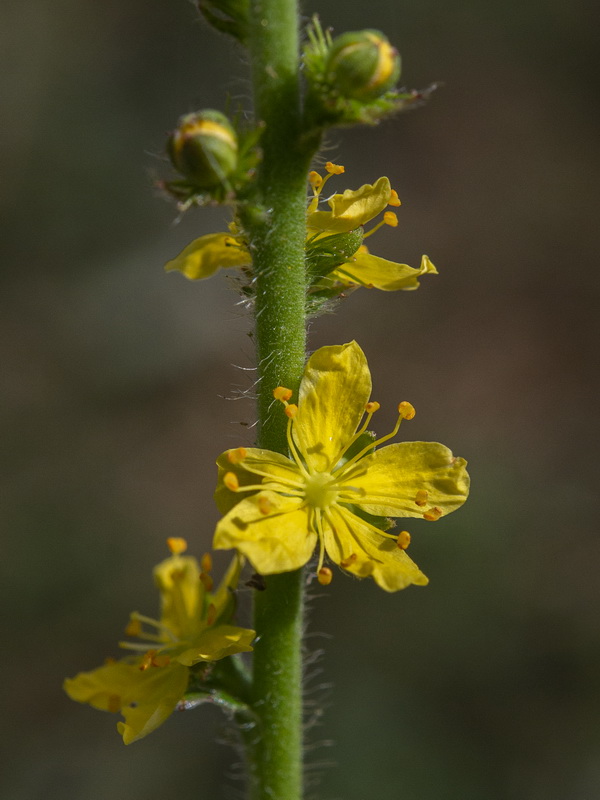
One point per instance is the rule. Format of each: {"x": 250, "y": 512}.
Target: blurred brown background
{"x": 483, "y": 685}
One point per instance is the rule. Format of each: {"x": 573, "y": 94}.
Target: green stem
{"x": 277, "y": 233}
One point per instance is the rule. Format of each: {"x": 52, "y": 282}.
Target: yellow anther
{"x": 346, "y": 562}
{"x": 231, "y": 482}
{"x": 372, "y": 407}
{"x": 291, "y": 410}
{"x": 390, "y": 219}
{"x": 237, "y": 455}
{"x": 315, "y": 179}
{"x": 403, "y": 540}
{"x": 394, "y": 199}
{"x": 211, "y": 614}
{"x": 133, "y": 628}
{"x": 176, "y": 545}
{"x": 282, "y": 394}
{"x": 334, "y": 169}
{"x": 433, "y": 514}
{"x": 421, "y": 498}
{"x": 324, "y": 576}
{"x": 206, "y": 563}
{"x": 265, "y": 504}
{"x": 406, "y": 410}
{"x": 161, "y": 660}
{"x": 113, "y": 703}
{"x": 206, "y": 581}
{"x": 147, "y": 660}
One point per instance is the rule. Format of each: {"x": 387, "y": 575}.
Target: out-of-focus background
{"x": 122, "y": 384}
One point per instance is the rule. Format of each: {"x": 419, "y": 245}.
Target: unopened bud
{"x": 363, "y": 65}
{"x": 204, "y": 148}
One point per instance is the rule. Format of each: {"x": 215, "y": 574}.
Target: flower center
{"x": 320, "y": 490}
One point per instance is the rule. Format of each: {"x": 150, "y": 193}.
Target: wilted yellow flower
{"x": 145, "y": 688}
{"x": 336, "y": 486}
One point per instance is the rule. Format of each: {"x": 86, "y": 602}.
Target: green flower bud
{"x": 363, "y": 65}
{"x": 204, "y": 148}
{"x": 325, "y": 254}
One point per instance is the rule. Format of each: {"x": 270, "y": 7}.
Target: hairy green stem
{"x": 277, "y": 230}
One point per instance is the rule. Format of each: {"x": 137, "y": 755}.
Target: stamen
{"x": 206, "y": 581}
{"x": 403, "y": 540}
{"x": 282, "y": 394}
{"x": 237, "y": 455}
{"x": 334, "y": 169}
{"x": 159, "y": 626}
{"x": 147, "y": 660}
{"x": 346, "y": 562}
{"x": 315, "y": 179}
{"x": 406, "y": 410}
{"x": 176, "y": 545}
{"x": 231, "y": 482}
{"x": 394, "y": 199}
{"x": 345, "y": 467}
{"x": 291, "y": 410}
{"x": 265, "y": 504}
{"x": 374, "y": 229}
{"x": 324, "y": 576}
{"x": 370, "y": 408}
{"x": 161, "y": 660}
{"x": 421, "y": 498}
{"x": 211, "y": 614}
{"x": 433, "y": 514}
{"x": 389, "y": 218}
{"x": 133, "y": 628}
{"x": 206, "y": 562}
{"x": 316, "y": 523}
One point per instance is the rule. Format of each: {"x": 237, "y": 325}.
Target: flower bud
{"x": 363, "y": 65}
{"x": 204, "y": 148}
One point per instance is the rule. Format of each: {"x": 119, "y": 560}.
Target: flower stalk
{"x": 276, "y": 226}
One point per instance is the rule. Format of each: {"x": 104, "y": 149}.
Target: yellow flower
{"x": 336, "y": 486}
{"x": 147, "y": 687}
{"x": 339, "y": 259}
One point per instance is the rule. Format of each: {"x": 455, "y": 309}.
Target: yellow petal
{"x": 266, "y": 461}
{"x": 144, "y": 698}
{"x": 391, "y": 478}
{"x": 204, "y": 256}
{"x": 376, "y": 556}
{"x": 279, "y": 541}
{"x": 352, "y": 209}
{"x": 216, "y": 643}
{"x": 181, "y": 594}
{"x": 378, "y": 273}
{"x": 335, "y": 388}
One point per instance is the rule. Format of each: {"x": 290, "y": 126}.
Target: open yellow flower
{"x": 334, "y": 239}
{"x": 147, "y": 687}
{"x": 336, "y": 487}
